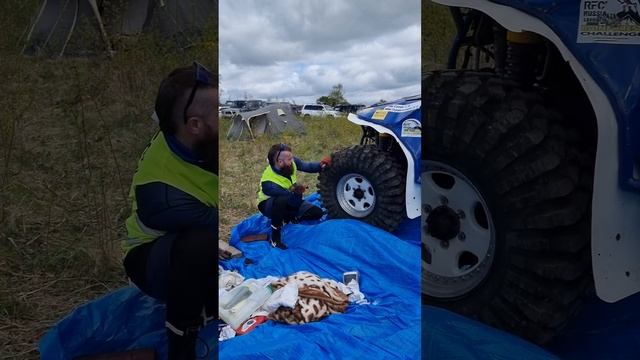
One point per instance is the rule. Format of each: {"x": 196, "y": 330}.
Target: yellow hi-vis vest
{"x": 159, "y": 164}
{"x": 270, "y": 175}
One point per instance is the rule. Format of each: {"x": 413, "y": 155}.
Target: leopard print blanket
{"x": 317, "y": 298}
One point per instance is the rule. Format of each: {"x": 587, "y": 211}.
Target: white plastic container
{"x": 237, "y": 305}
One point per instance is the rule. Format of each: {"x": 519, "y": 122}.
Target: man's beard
{"x": 286, "y": 170}
{"x": 207, "y": 150}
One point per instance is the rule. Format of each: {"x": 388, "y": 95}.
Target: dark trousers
{"x": 280, "y": 210}
{"x": 180, "y": 270}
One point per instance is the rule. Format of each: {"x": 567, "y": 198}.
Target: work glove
{"x": 298, "y": 188}
{"x": 325, "y": 161}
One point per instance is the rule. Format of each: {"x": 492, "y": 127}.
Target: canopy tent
{"x": 51, "y": 31}
{"x": 270, "y": 120}
{"x": 60, "y": 21}
{"x": 168, "y": 17}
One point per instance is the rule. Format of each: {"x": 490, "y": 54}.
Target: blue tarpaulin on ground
{"x": 603, "y": 331}
{"x": 388, "y": 327}
{"x": 389, "y": 270}
{"x": 447, "y": 335}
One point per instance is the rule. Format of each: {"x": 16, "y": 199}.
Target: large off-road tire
{"x": 364, "y": 183}
{"x": 506, "y": 205}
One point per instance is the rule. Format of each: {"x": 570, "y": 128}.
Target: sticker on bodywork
{"x": 403, "y": 108}
{"x": 609, "y": 21}
{"x": 379, "y": 115}
{"x": 411, "y": 128}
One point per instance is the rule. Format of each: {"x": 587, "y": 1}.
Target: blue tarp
{"x": 389, "y": 269}
{"x": 447, "y": 335}
{"x": 389, "y": 327}
{"x": 602, "y": 331}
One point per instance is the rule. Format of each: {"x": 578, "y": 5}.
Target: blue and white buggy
{"x": 531, "y": 185}
{"x": 378, "y": 181}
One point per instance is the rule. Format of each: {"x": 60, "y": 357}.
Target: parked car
{"x": 318, "y": 110}
{"x": 349, "y": 108}
{"x": 254, "y": 105}
{"x": 225, "y": 111}
{"x": 236, "y": 104}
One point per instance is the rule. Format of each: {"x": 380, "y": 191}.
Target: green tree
{"x": 335, "y": 97}
{"x": 323, "y": 100}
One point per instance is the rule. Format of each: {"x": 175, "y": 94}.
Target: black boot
{"x": 182, "y": 343}
{"x": 313, "y": 213}
{"x": 276, "y": 240}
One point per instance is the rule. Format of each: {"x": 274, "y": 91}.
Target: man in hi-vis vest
{"x": 170, "y": 250}
{"x": 280, "y": 196}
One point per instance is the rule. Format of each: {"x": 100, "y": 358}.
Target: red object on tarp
{"x": 250, "y": 324}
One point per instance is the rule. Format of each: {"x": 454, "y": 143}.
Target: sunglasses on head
{"x": 203, "y": 77}
{"x": 281, "y": 148}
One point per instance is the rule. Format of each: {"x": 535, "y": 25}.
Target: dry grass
{"x": 242, "y": 163}
{"x": 71, "y": 131}
{"x": 438, "y": 32}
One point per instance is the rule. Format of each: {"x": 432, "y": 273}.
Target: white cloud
{"x": 297, "y": 50}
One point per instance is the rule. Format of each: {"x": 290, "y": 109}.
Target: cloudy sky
{"x": 296, "y": 50}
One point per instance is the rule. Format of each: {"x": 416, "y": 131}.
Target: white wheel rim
{"x": 356, "y": 195}
{"x": 453, "y": 267}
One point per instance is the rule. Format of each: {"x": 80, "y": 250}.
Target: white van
{"x": 318, "y": 110}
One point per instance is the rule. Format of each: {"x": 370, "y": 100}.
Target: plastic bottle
{"x": 237, "y": 305}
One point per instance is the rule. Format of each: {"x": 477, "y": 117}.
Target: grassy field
{"x": 438, "y": 31}
{"x": 71, "y": 131}
{"x": 242, "y": 163}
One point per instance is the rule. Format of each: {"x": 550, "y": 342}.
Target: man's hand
{"x": 298, "y": 188}
{"x": 223, "y": 254}
{"x": 325, "y": 161}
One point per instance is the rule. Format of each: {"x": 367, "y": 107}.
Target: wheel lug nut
{"x": 444, "y": 244}
{"x": 462, "y": 236}
{"x": 444, "y": 200}
{"x": 461, "y": 214}
{"x": 426, "y": 208}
